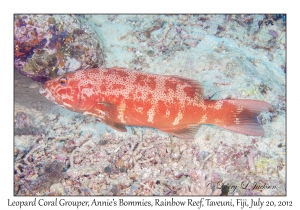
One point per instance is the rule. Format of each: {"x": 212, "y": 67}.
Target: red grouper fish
{"x": 172, "y": 104}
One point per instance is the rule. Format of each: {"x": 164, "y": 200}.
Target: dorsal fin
{"x": 194, "y": 86}
{"x": 118, "y": 68}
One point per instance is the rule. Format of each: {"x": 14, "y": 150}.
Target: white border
{"x": 153, "y": 6}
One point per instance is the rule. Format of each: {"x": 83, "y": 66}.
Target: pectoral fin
{"x": 111, "y": 112}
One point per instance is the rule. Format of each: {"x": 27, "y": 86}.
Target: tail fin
{"x": 242, "y": 116}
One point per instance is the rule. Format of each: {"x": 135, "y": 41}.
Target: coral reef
{"x": 49, "y": 45}
{"x": 233, "y": 56}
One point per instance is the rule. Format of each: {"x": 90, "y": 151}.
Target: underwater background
{"x": 59, "y": 152}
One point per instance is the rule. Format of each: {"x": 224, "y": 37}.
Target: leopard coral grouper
{"x": 172, "y": 104}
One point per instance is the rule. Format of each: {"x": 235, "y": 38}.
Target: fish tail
{"x": 241, "y": 116}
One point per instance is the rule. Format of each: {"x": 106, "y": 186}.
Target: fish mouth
{"x": 46, "y": 94}
{"x": 43, "y": 91}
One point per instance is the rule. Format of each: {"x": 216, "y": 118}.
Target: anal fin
{"x": 114, "y": 125}
{"x": 188, "y": 132}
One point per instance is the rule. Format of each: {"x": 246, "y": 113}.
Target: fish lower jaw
{"x": 43, "y": 91}
{"x": 46, "y": 94}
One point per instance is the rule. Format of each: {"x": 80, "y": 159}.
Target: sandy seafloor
{"x": 59, "y": 152}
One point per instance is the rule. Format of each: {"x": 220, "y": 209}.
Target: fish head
{"x": 70, "y": 92}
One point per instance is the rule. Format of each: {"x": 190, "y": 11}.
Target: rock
{"x": 45, "y": 45}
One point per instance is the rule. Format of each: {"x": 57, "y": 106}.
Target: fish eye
{"x": 63, "y": 81}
